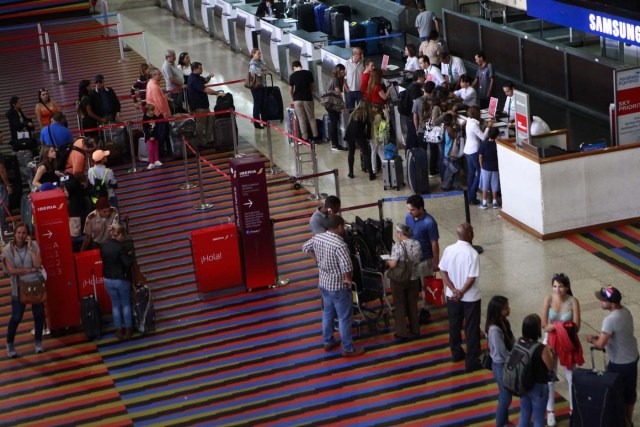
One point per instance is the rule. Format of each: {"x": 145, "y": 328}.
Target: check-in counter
{"x": 207, "y": 10}
{"x": 247, "y": 28}
{"x": 568, "y": 192}
{"x": 226, "y": 29}
{"x": 331, "y": 55}
{"x": 274, "y": 32}
{"x": 305, "y": 47}
{"x": 189, "y": 9}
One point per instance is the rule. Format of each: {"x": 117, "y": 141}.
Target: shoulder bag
{"x": 33, "y": 291}
{"x": 457, "y": 148}
{"x": 403, "y": 270}
{"x": 433, "y": 134}
{"x": 332, "y": 101}
{"x": 252, "y": 81}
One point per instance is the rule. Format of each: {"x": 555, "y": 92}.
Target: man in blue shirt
{"x": 425, "y": 231}
{"x": 198, "y": 95}
{"x": 56, "y": 134}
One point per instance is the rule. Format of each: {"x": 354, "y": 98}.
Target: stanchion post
{"x": 120, "y": 43}
{"x": 105, "y": 19}
{"x": 380, "y": 213}
{"x": 279, "y": 281}
{"x": 272, "y": 170}
{"x": 46, "y": 41}
{"x": 467, "y": 215}
{"x": 144, "y": 46}
{"x": 187, "y": 185}
{"x": 41, "y": 40}
{"x": 202, "y": 206}
{"x": 336, "y": 174}
{"x": 234, "y": 134}
{"x": 131, "y": 148}
{"x": 58, "y": 66}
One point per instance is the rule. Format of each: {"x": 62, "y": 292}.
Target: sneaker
{"x": 483, "y": 206}
{"x": 158, "y": 163}
{"x": 474, "y": 202}
{"x": 551, "y": 419}
{"x": 151, "y": 166}
{"x": 495, "y": 205}
{"x": 11, "y": 351}
{"x": 353, "y": 353}
{"x": 335, "y": 148}
{"x": 46, "y": 331}
{"x": 39, "y": 347}
{"x": 334, "y": 344}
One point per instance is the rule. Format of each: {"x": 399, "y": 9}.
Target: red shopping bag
{"x": 434, "y": 291}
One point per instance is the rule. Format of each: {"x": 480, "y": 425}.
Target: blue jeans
{"x": 119, "y": 291}
{"x": 17, "y": 311}
{"x": 353, "y": 97}
{"x": 473, "y": 175}
{"x": 504, "y": 396}
{"x": 338, "y": 303}
{"x": 534, "y": 402}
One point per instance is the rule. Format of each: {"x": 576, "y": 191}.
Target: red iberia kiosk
{"x": 51, "y": 222}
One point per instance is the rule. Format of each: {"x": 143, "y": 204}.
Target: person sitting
{"x": 264, "y": 9}
{"x": 318, "y": 221}
{"x": 96, "y": 228}
{"x": 46, "y": 170}
{"x": 56, "y": 134}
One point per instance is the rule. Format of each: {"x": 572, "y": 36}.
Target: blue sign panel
{"x": 590, "y": 21}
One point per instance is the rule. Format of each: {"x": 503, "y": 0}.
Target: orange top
{"x": 45, "y": 113}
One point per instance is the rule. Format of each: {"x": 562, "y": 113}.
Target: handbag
{"x": 487, "y": 361}
{"x": 332, "y": 101}
{"x": 32, "y": 292}
{"x": 252, "y": 81}
{"x": 433, "y": 134}
{"x": 457, "y": 148}
{"x": 403, "y": 270}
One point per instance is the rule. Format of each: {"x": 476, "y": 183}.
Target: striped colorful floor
{"x": 619, "y": 246}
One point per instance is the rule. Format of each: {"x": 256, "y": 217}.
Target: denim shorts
{"x": 489, "y": 181}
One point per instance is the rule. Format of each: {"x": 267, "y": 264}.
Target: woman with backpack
{"x": 501, "y": 340}
{"x": 534, "y": 400}
{"x": 559, "y": 308}
{"x": 358, "y": 132}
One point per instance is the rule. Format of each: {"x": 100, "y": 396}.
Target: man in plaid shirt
{"x": 334, "y": 263}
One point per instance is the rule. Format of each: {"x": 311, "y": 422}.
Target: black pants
{"x": 470, "y": 312}
{"x": 434, "y": 158}
{"x": 334, "y": 129}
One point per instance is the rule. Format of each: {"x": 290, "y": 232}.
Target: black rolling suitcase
{"x": 116, "y": 141}
{"x": 144, "y": 313}
{"x": 306, "y": 17}
{"x": 417, "y": 173}
{"x": 90, "y": 314}
{"x": 224, "y": 103}
{"x": 223, "y": 134}
{"x": 179, "y": 128}
{"x": 12, "y": 165}
{"x": 597, "y": 397}
{"x": 273, "y": 107}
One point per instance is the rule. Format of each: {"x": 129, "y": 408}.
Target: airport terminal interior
{"x": 256, "y": 358}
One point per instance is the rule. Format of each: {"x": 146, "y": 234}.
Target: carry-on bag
{"x": 434, "y": 291}
{"x": 178, "y": 128}
{"x": 597, "y": 397}
{"x": 116, "y": 141}
{"x": 90, "y": 314}
{"x": 144, "y": 313}
{"x": 272, "y": 107}
{"x": 318, "y": 12}
{"x": 393, "y": 174}
{"x": 306, "y": 17}
{"x": 223, "y": 134}
{"x": 417, "y": 173}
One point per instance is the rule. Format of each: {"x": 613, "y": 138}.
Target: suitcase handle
{"x": 265, "y": 78}
{"x": 604, "y": 358}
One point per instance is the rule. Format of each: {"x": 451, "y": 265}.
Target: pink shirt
{"x": 157, "y": 98}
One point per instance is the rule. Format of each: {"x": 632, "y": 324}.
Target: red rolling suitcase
{"x": 597, "y": 397}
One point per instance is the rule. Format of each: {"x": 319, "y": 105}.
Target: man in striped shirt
{"x": 331, "y": 253}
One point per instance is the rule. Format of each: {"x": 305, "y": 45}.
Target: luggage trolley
{"x": 304, "y": 155}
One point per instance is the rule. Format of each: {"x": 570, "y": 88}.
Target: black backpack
{"x": 405, "y": 104}
{"x": 517, "y": 375}
{"x": 62, "y": 155}
{"x": 99, "y": 188}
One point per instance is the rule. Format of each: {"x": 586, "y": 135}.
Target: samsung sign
{"x": 579, "y": 18}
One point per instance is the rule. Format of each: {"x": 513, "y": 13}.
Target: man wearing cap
{"x": 56, "y": 134}
{"x": 78, "y": 161}
{"x": 96, "y": 227}
{"x": 621, "y": 344}
{"x": 104, "y": 102}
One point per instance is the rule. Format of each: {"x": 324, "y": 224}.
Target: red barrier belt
{"x": 231, "y": 82}
{"x": 205, "y": 160}
{"x": 353, "y": 208}
{"x": 299, "y": 178}
{"x": 77, "y": 30}
{"x": 32, "y": 46}
{"x": 19, "y": 37}
{"x": 95, "y": 39}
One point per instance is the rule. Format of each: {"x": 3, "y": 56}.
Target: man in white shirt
{"x": 431, "y": 72}
{"x": 452, "y": 69}
{"x": 353, "y": 78}
{"x": 466, "y": 93}
{"x": 509, "y": 109}
{"x": 460, "y": 269}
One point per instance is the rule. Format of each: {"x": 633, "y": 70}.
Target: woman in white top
{"x": 184, "y": 63}
{"x": 474, "y": 137}
{"x": 412, "y": 61}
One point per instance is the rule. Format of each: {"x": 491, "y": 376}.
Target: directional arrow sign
{"x": 249, "y": 203}
{"x": 49, "y": 233}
